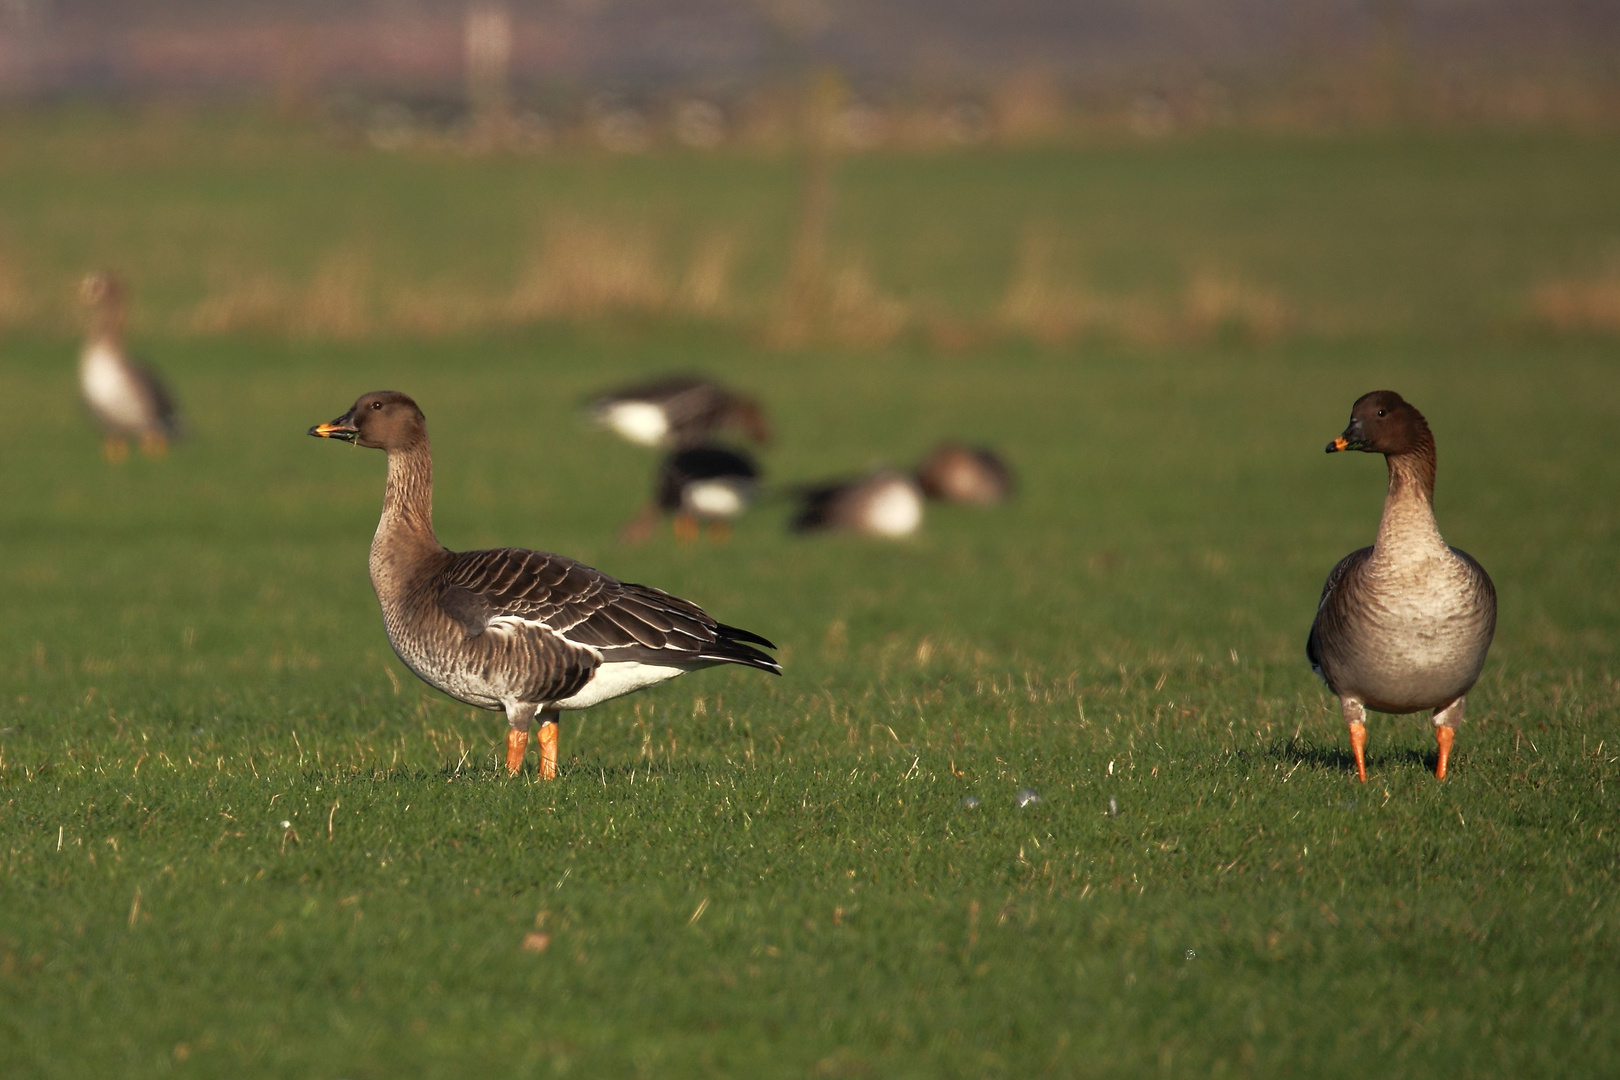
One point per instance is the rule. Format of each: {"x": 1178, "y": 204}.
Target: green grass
{"x": 750, "y": 876}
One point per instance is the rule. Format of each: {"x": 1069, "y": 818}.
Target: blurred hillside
{"x": 940, "y": 70}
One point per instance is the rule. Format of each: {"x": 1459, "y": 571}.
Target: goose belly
{"x": 110, "y": 391}
{"x": 1413, "y": 653}
{"x": 472, "y": 683}
{"x": 615, "y": 679}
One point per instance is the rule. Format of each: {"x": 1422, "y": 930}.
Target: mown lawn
{"x": 239, "y": 839}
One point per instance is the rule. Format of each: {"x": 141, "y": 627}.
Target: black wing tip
{"x": 737, "y": 633}
{"x": 735, "y": 645}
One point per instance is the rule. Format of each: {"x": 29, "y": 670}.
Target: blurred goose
{"x": 520, "y": 631}
{"x": 679, "y": 411}
{"x": 124, "y": 395}
{"x": 700, "y": 484}
{"x": 1403, "y": 625}
{"x": 883, "y": 503}
{"x": 953, "y": 472}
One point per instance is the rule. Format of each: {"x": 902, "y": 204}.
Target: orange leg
{"x": 154, "y": 444}
{"x": 114, "y": 449}
{"x": 719, "y": 532}
{"x": 685, "y": 528}
{"x": 1445, "y": 731}
{"x": 548, "y": 748}
{"x": 1355, "y": 714}
{"x": 517, "y": 744}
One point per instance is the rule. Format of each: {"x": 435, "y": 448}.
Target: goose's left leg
{"x": 518, "y": 718}
{"x": 548, "y": 745}
{"x": 1446, "y": 720}
{"x": 154, "y": 444}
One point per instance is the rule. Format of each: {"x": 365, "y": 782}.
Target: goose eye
{"x": 378, "y": 405}
{"x": 1380, "y": 412}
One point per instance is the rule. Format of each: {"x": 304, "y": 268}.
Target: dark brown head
{"x": 382, "y": 419}
{"x": 1383, "y": 423}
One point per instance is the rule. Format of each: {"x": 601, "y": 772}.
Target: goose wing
{"x": 589, "y": 611}
{"x": 156, "y": 400}
{"x": 1331, "y": 610}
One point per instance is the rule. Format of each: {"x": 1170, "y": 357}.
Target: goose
{"x": 710, "y": 484}
{"x": 884, "y": 503}
{"x": 678, "y": 411}
{"x": 952, "y": 472}
{"x": 125, "y": 396}
{"x": 1404, "y": 625}
{"x": 524, "y": 632}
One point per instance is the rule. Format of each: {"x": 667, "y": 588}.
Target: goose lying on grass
{"x": 525, "y": 632}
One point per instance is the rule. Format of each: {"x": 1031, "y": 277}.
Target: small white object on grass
{"x": 968, "y": 802}
{"x": 1027, "y": 797}
{"x": 1113, "y": 806}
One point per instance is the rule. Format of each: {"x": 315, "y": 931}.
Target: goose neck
{"x": 407, "y": 517}
{"x": 1408, "y": 524}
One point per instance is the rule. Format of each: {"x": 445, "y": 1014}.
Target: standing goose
{"x": 125, "y": 396}
{"x": 883, "y": 503}
{"x": 521, "y": 631}
{"x": 679, "y": 411}
{"x": 710, "y": 484}
{"x": 1403, "y": 625}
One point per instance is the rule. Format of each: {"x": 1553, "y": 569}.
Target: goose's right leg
{"x": 114, "y": 449}
{"x": 548, "y": 745}
{"x": 1355, "y": 715}
{"x": 518, "y": 718}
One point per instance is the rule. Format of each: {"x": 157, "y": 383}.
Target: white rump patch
{"x": 638, "y": 421}
{"x": 894, "y": 510}
{"x": 615, "y": 679}
{"x": 715, "y": 498}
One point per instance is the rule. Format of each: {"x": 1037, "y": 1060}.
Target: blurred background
{"x": 452, "y": 167}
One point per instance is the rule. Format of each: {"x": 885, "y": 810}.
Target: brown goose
{"x": 712, "y": 484}
{"x": 956, "y": 473}
{"x": 124, "y": 395}
{"x": 883, "y": 503}
{"x": 1403, "y": 625}
{"x": 521, "y": 631}
{"x": 679, "y": 411}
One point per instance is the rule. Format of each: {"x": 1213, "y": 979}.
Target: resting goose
{"x": 883, "y": 503}
{"x": 521, "y": 631}
{"x": 1403, "y": 625}
{"x": 679, "y": 411}
{"x": 125, "y": 396}
{"x": 956, "y": 473}
{"x": 710, "y": 484}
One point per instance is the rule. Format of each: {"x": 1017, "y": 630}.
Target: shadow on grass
{"x": 1293, "y": 752}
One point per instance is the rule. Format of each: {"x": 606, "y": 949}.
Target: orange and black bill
{"x": 341, "y": 428}
{"x": 1345, "y": 442}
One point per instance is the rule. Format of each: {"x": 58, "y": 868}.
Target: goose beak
{"x": 1347, "y": 441}
{"x": 341, "y": 428}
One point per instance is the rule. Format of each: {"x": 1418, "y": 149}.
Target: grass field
{"x": 239, "y": 839}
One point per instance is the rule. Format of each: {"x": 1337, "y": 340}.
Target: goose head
{"x": 382, "y": 419}
{"x": 101, "y": 289}
{"x": 1382, "y": 422}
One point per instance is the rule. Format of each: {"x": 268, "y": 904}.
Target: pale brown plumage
{"x": 523, "y": 631}
{"x": 1404, "y": 625}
